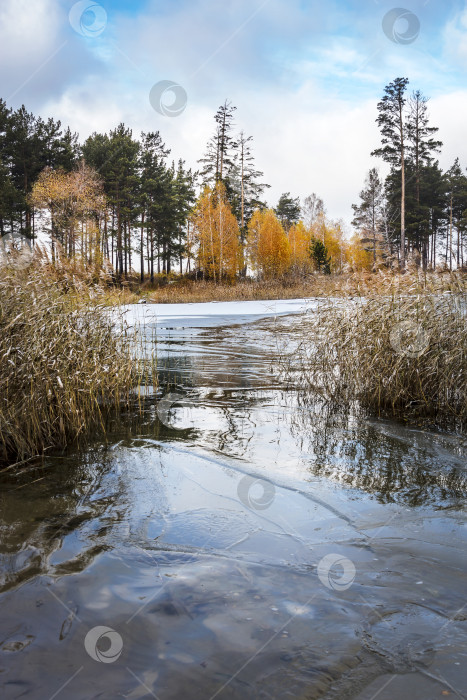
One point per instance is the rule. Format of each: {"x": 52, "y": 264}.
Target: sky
{"x": 305, "y": 76}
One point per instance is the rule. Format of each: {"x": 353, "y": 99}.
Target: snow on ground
{"x": 211, "y": 313}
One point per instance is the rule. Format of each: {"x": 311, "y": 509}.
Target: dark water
{"x": 237, "y": 543}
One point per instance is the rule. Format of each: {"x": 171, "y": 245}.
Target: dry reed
{"x": 402, "y": 354}
{"x": 63, "y": 366}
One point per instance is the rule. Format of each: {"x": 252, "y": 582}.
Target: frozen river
{"x": 235, "y": 542}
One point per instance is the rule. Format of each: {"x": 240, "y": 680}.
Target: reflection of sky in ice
{"x": 199, "y": 539}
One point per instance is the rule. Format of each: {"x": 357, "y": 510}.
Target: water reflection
{"x": 391, "y": 461}
{"x": 199, "y": 541}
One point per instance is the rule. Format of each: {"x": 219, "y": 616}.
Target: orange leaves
{"x": 359, "y": 258}
{"x": 75, "y": 202}
{"x": 299, "y": 243}
{"x": 268, "y": 245}
{"x": 77, "y": 193}
{"x": 216, "y": 234}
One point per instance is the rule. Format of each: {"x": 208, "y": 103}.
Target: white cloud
{"x": 448, "y": 112}
{"x": 29, "y": 30}
{"x": 307, "y": 96}
{"x": 455, "y": 38}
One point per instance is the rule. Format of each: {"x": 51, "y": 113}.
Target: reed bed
{"x": 63, "y": 369}
{"x": 175, "y": 289}
{"x": 403, "y": 354}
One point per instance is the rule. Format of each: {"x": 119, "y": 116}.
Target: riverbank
{"x": 180, "y": 290}
{"x": 65, "y": 366}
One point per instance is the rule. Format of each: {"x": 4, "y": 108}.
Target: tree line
{"x": 418, "y": 210}
{"x": 120, "y": 200}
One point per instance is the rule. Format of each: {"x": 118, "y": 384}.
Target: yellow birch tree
{"x": 268, "y": 246}
{"x": 216, "y": 233}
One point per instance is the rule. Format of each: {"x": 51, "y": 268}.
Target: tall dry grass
{"x": 63, "y": 368}
{"x": 175, "y": 289}
{"x": 402, "y": 354}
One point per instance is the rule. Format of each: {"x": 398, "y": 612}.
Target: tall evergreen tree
{"x": 456, "y": 189}
{"x": 288, "y": 210}
{"x": 420, "y": 142}
{"x": 391, "y": 120}
{"x": 115, "y": 157}
{"x": 369, "y": 214}
{"x": 220, "y": 151}
{"x": 243, "y": 188}
{"x": 185, "y": 197}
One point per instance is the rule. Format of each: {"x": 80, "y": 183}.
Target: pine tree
{"x": 288, "y": 210}
{"x": 184, "y": 188}
{"x": 456, "y": 187}
{"x": 320, "y": 257}
{"x": 369, "y": 214}
{"x": 243, "y": 189}
{"x": 420, "y": 142}
{"x": 220, "y": 151}
{"x": 115, "y": 157}
{"x": 391, "y": 120}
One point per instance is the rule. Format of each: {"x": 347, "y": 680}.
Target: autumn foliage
{"x": 74, "y": 202}
{"x": 268, "y": 245}
{"x": 77, "y": 210}
{"x": 216, "y": 235}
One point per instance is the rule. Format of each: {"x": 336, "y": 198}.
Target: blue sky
{"x": 305, "y": 75}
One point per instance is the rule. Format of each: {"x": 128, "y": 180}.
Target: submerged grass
{"x": 403, "y": 354}
{"x": 63, "y": 366}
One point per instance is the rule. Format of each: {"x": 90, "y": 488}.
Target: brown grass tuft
{"x": 63, "y": 367}
{"x": 402, "y": 354}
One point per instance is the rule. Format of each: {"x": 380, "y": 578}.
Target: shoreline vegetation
{"x": 107, "y": 222}
{"x": 64, "y": 369}
{"x": 394, "y": 344}
{"x": 399, "y": 354}
{"x": 183, "y": 290}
